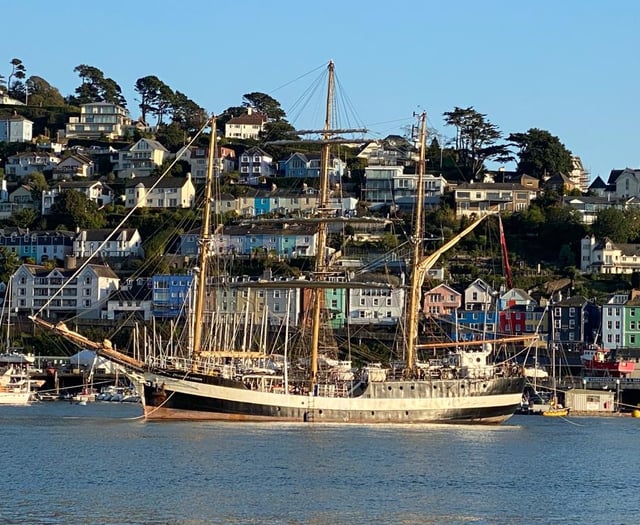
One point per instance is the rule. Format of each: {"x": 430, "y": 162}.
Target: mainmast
{"x": 205, "y": 239}
{"x": 416, "y": 281}
{"x": 322, "y": 228}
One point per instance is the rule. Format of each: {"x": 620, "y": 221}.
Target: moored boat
{"x": 218, "y": 379}
{"x": 597, "y": 360}
{"x": 15, "y": 383}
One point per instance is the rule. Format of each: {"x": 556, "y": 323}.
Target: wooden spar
{"x": 414, "y": 293}
{"x": 205, "y": 234}
{"x": 105, "y": 348}
{"x": 322, "y": 229}
{"x": 501, "y": 340}
{"x": 505, "y": 255}
{"x": 427, "y": 263}
{"x": 236, "y": 354}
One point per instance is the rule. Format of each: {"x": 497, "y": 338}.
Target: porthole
{"x": 401, "y": 388}
{"x": 389, "y": 387}
{"x": 484, "y": 385}
{"x": 320, "y": 412}
{"x": 413, "y": 387}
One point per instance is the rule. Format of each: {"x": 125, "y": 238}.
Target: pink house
{"x": 441, "y": 300}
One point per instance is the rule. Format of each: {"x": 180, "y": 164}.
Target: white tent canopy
{"x": 87, "y": 357}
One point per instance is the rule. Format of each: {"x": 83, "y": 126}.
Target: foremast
{"x": 205, "y": 239}
{"x": 321, "y": 264}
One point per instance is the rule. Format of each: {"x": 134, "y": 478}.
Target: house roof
{"x": 269, "y": 229}
{"x": 576, "y": 300}
{"x": 598, "y": 184}
{"x": 166, "y": 182}
{"x": 153, "y": 143}
{"x": 492, "y": 186}
{"x": 377, "y": 278}
{"x": 102, "y": 234}
{"x": 249, "y": 119}
{"x": 99, "y": 270}
{"x": 255, "y": 149}
{"x": 69, "y": 185}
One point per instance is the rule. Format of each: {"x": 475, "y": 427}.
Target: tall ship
{"x": 221, "y": 371}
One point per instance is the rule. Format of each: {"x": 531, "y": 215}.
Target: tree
{"x": 9, "y": 263}
{"x": 228, "y": 114}
{"x": 38, "y": 183}
{"x": 186, "y": 113}
{"x": 476, "y": 140}
{"x": 72, "y": 209}
{"x": 618, "y": 225}
{"x": 96, "y": 88}
{"x": 24, "y": 218}
{"x": 541, "y": 153}
{"x": 41, "y": 93}
{"x": 264, "y": 104}
{"x": 18, "y": 71}
{"x": 149, "y": 90}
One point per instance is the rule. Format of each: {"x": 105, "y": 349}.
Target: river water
{"x": 102, "y": 464}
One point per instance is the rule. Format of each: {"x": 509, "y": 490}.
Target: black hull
{"x": 455, "y": 401}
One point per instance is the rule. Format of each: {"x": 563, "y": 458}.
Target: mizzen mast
{"x": 416, "y": 281}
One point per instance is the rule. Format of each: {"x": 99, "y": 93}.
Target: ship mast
{"x": 416, "y": 281}
{"x": 318, "y": 294}
{"x": 205, "y": 239}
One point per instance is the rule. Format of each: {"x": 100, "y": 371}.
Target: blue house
{"x": 170, "y": 293}
{"x": 474, "y": 325}
{"x": 308, "y": 165}
{"x": 40, "y": 246}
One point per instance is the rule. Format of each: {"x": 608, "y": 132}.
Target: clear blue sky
{"x": 570, "y": 66}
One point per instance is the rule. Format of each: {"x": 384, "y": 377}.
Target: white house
{"x": 94, "y": 190}
{"x": 139, "y": 159}
{"x": 480, "y": 197}
{"x": 247, "y": 126}
{"x": 627, "y": 183}
{"x": 132, "y": 300}
{"x": 99, "y": 119}
{"x": 15, "y": 129}
{"x": 613, "y": 321}
{"x": 255, "y": 162}
{"x": 479, "y": 296}
{"x": 381, "y": 306}
{"x": 606, "y": 257}
{"x": 21, "y": 165}
{"x": 85, "y": 296}
{"x": 75, "y": 165}
{"x": 168, "y": 192}
{"x": 124, "y": 243}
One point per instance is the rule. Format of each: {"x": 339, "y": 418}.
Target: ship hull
{"x": 485, "y": 401}
{"x": 15, "y": 398}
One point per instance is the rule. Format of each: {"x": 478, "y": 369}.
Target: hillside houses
{"x": 114, "y": 171}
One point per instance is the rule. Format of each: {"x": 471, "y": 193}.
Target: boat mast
{"x": 416, "y": 281}
{"x": 322, "y": 228}
{"x": 205, "y": 236}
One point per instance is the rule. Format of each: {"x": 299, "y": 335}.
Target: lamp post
{"x": 584, "y": 383}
